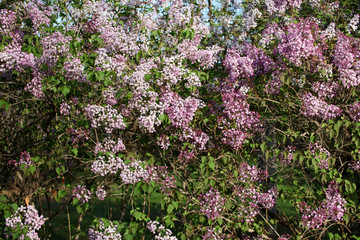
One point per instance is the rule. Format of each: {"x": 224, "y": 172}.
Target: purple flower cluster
{"x": 280, "y": 6}
{"x": 321, "y": 155}
{"x": 109, "y": 145}
{"x": 325, "y": 89}
{"x": 250, "y": 199}
{"x": 7, "y": 20}
{"x": 212, "y": 204}
{"x": 100, "y": 193}
{"x": 82, "y": 194}
{"x": 105, "y": 116}
{"x": 300, "y": 42}
{"x": 12, "y": 58}
{"x": 290, "y": 155}
{"x": 38, "y": 13}
{"x": 133, "y": 172}
{"x": 65, "y": 109}
{"x": 78, "y": 135}
{"x": 315, "y": 107}
{"x": 161, "y": 233}
{"x": 347, "y": 59}
{"x": 212, "y": 235}
{"x": 110, "y": 96}
{"x": 26, "y": 218}
{"x": 180, "y": 111}
{"x": 161, "y": 176}
{"x": 74, "y": 70}
{"x": 198, "y": 137}
{"x": 237, "y": 121}
{"x": 354, "y": 111}
{"x": 107, "y": 165}
{"x": 54, "y": 45}
{"x": 332, "y": 208}
{"x": 102, "y": 232}
{"x": 163, "y": 141}
{"x": 186, "y": 156}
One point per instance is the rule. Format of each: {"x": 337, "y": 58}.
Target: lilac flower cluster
{"x": 109, "y": 63}
{"x": 78, "y": 135}
{"x": 107, "y": 165}
{"x": 54, "y": 45}
{"x": 82, "y": 194}
{"x": 100, "y": 193}
{"x": 163, "y": 141}
{"x": 325, "y": 89}
{"x": 133, "y": 172}
{"x": 279, "y": 6}
{"x": 315, "y": 107}
{"x": 25, "y": 158}
{"x": 346, "y": 59}
{"x": 65, "y": 109}
{"x": 290, "y": 155}
{"x": 74, "y": 70}
{"x": 212, "y": 204}
{"x": 180, "y": 111}
{"x": 332, "y": 208}
{"x": 354, "y": 111}
{"x": 38, "y": 13}
{"x": 109, "y": 145}
{"x": 26, "y": 218}
{"x": 105, "y": 116}
{"x": 110, "y": 96}
{"x": 300, "y": 42}
{"x": 238, "y": 121}
{"x": 161, "y": 233}
{"x": 7, "y": 20}
{"x": 250, "y": 199}
{"x": 35, "y": 85}
{"x": 198, "y": 137}
{"x": 321, "y": 155}
{"x": 102, "y": 232}
{"x": 212, "y": 235}
{"x": 161, "y": 176}
{"x": 12, "y": 58}
{"x": 186, "y": 156}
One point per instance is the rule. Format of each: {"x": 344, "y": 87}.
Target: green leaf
{"x": 74, "y": 151}
{"x": 212, "y": 165}
{"x": 170, "y": 208}
{"x": 65, "y": 90}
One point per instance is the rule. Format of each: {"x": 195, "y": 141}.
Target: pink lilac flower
{"x": 321, "y": 155}
{"x": 100, "y": 193}
{"x": 7, "y": 20}
{"x": 133, "y": 172}
{"x": 211, "y": 234}
{"x": 105, "y": 116}
{"x": 102, "y": 232}
{"x": 180, "y": 111}
{"x": 38, "y": 13}
{"x": 161, "y": 233}
{"x": 54, "y": 46}
{"x": 12, "y": 58}
{"x": 78, "y": 135}
{"x": 82, "y": 194}
{"x": 163, "y": 141}
{"x": 347, "y": 59}
{"x": 332, "y": 208}
{"x": 212, "y": 204}
{"x": 325, "y": 89}
{"x": 107, "y": 165}
{"x": 110, "y": 96}
{"x": 315, "y": 107}
{"x": 250, "y": 200}
{"x": 109, "y": 145}
{"x": 290, "y": 156}
{"x": 186, "y": 156}
{"x": 300, "y": 42}
{"x": 65, "y": 109}
{"x": 161, "y": 176}
{"x": 354, "y": 111}
{"x": 74, "y": 70}
{"x": 198, "y": 137}
{"x": 26, "y": 218}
